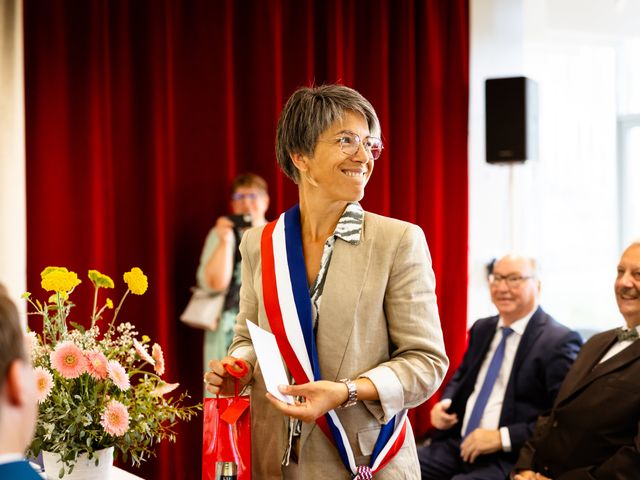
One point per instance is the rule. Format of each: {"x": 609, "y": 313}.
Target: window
{"x": 629, "y": 178}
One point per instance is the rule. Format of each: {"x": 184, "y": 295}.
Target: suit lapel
{"x": 590, "y": 370}
{"x": 477, "y": 353}
{"x": 486, "y": 335}
{"x": 340, "y": 298}
{"x": 531, "y": 333}
{"x": 619, "y": 360}
{"x": 529, "y": 336}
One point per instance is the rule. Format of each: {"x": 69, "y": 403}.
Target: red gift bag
{"x": 227, "y": 434}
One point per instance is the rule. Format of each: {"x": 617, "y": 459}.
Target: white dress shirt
{"x": 11, "y": 457}
{"x": 491, "y": 415}
{"x": 617, "y": 348}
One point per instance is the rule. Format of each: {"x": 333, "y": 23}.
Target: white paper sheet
{"x": 273, "y": 372}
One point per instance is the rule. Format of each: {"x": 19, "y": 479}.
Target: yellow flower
{"x": 109, "y": 303}
{"x": 59, "y": 279}
{"x": 48, "y": 270}
{"x": 136, "y": 281}
{"x": 100, "y": 280}
{"x": 145, "y": 339}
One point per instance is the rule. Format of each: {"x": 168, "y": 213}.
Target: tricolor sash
{"x": 288, "y": 306}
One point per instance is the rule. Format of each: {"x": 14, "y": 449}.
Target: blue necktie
{"x": 487, "y": 385}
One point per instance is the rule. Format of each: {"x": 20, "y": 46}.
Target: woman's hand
{"x": 224, "y": 229}
{"x": 319, "y": 398}
{"x": 219, "y": 381}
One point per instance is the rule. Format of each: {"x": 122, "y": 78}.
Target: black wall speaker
{"x": 511, "y": 119}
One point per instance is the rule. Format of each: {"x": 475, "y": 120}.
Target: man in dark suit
{"x": 593, "y": 430}
{"x": 510, "y": 373}
{"x": 18, "y": 405}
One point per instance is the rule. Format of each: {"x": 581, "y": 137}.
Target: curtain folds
{"x": 139, "y": 114}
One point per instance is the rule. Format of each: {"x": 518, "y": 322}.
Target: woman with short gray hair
{"x": 350, "y": 297}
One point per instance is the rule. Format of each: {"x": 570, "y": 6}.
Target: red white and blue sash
{"x": 288, "y": 307}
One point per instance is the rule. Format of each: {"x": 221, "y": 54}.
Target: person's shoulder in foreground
{"x": 18, "y": 404}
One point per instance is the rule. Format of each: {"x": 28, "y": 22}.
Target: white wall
{"x": 563, "y": 207}
{"x": 496, "y": 51}
{"x": 12, "y": 156}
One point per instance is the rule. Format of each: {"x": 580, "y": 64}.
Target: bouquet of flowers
{"x": 98, "y": 389}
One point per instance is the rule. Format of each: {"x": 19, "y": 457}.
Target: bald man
{"x": 510, "y": 373}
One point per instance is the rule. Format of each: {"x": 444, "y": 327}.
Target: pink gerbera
{"x": 96, "y": 364}
{"x": 118, "y": 374}
{"x": 44, "y": 383}
{"x": 158, "y": 356}
{"x": 142, "y": 351}
{"x": 68, "y": 360}
{"x": 115, "y": 418}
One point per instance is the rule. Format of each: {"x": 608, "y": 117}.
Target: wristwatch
{"x": 352, "y": 399}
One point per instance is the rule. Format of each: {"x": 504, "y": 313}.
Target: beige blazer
{"x": 378, "y": 319}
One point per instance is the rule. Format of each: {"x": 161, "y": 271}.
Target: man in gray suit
{"x": 18, "y": 405}
{"x": 593, "y": 430}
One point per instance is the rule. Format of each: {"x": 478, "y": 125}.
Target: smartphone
{"x": 240, "y": 221}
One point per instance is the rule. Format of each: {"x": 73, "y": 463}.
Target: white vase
{"x": 84, "y": 468}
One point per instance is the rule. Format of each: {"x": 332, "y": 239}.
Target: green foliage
{"x": 72, "y": 407}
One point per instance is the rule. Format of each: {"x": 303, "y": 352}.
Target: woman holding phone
{"x": 219, "y": 268}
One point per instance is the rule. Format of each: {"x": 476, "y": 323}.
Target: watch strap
{"x": 352, "y": 399}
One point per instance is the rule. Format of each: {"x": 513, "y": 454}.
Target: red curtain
{"x": 138, "y": 115}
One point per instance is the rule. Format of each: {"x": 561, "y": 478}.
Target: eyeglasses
{"x": 350, "y": 144}
{"x": 242, "y": 196}
{"x": 513, "y": 281}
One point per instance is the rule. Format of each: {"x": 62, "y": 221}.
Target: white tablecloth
{"x": 116, "y": 474}
{"x": 119, "y": 474}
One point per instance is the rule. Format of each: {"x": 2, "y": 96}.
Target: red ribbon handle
{"x": 237, "y": 369}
